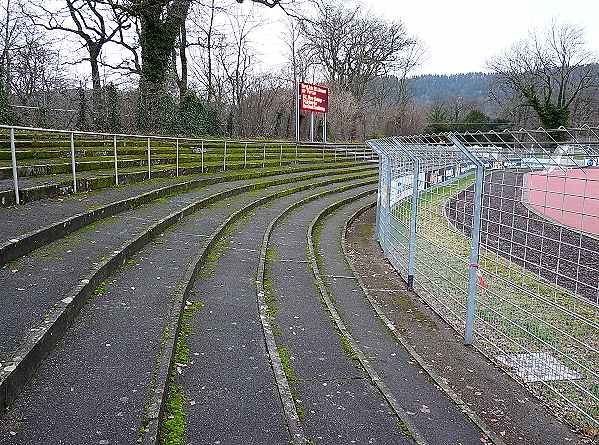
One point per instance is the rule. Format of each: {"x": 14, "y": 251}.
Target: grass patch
{"x": 175, "y": 413}
{"x": 403, "y": 427}
{"x": 285, "y": 358}
{"x": 511, "y": 314}
{"x": 100, "y": 290}
{"x": 347, "y": 347}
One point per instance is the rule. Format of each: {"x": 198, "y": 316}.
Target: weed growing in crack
{"x": 175, "y": 413}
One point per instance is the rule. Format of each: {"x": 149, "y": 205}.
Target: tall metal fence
{"x": 499, "y": 233}
{"x": 27, "y": 151}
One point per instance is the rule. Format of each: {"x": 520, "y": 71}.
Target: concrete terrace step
{"x": 433, "y": 414}
{"x": 58, "y": 166}
{"x": 42, "y": 187}
{"x": 128, "y": 315}
{"x": 339, "y": 403}
{"x": 40, "y": 222}
{"x": 84, "y": 259}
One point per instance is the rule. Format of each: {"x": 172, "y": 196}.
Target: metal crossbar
{"x": 499, "y": 233}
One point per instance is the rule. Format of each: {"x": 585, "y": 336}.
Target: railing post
{"x": 475, "y": 249}
{"x": 323, "y": 152}
{"x": 202, "y": 151}
{"x": 13, "y": 155}
{"x": 177, "y": 158}
{"x": 296, "y": 153}
{"x": 225, "y": 158}
{"x": 73, "y": 165}
{"x": 264, "y": 156}
{"x": 281, "y": 156}
{"x": 245, "y": 155}
{"x": 116, "y": 162}
{"x": 335, "y": 159}
{"x": 149, "y": 161}
{"x": 413, "y": 221}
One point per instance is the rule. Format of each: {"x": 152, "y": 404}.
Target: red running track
{"x": 569, "y": 196}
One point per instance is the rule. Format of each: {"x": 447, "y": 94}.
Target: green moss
{"x": 174, "y": 423}
{"x": 175, "y": 413}
{"x": 347, "y": 347}
{"x": 101, "y": 289}
{"x": 285, "y": 358}
{"x": 403, "y": 427}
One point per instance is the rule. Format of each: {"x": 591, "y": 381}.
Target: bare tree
{"x": 11, "y": 26}
{"x": 94, "y": 22}
{"x": 237, "y": 62}
{"x": 547, "y": 72}
{"x": 354, "y": 47}
{"x": 160, "y": 24}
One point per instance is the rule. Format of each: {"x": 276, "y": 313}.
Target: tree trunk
{"x": 97, "y": 102}
{"x": 183, "y": 58}
{"x": 157, "y": 39}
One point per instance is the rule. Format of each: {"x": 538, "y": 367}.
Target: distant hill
{"x": 427, "y": 89}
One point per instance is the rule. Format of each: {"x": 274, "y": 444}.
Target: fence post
{"x": 388, "y": 203}
{"x": 177, "y": 157}
{"x": 116, "y": 164}
{"x": 377, "y": 230}
{"x": 73, "y": 166}
{"x": 413, "y": 221}
{"x": 245, "y": 156}
{"x": 13, "y": 156}
{"x": 474, "y": 251}
{"x": 225, "y": 158}
{"x": 149, "y": 161}
{"x": 202, "y": 151}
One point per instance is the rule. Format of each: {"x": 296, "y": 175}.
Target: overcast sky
{"x": 461, "y": 35}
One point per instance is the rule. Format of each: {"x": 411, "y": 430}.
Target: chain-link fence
{"x": 499, "y": 233}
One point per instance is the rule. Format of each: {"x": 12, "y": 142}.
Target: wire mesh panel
{"x": 499, "y": 234}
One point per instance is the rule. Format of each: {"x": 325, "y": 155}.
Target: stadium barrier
{"x": 498, "y": 232}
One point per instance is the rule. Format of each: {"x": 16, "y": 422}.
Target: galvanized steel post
{"x": 388, "y": 203}
{"x": 116, "y": 163}
{"x": 13, "y": 155}
{"x": 475, "y": 249}
{"x": 73, "y": 166}
{"x": 225, "y": 158}
{"x": 281, "y": 156}
{"x": 413, "y": 223}
{"x": 177, "y": 156}
{"x": 202, "y": 151}
{"x": 149, "y": 161}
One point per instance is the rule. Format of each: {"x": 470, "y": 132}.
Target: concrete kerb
{"x": 364, "y": 362}
{"x": 439, "y": 381}
{"x": 25, "y": 244}
{"x": 16, "y": 372}
{"x": 154, "y": 414}
{"x": 293, "y": 422}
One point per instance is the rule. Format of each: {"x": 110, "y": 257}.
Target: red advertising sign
{"x": 314, "y": 98}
